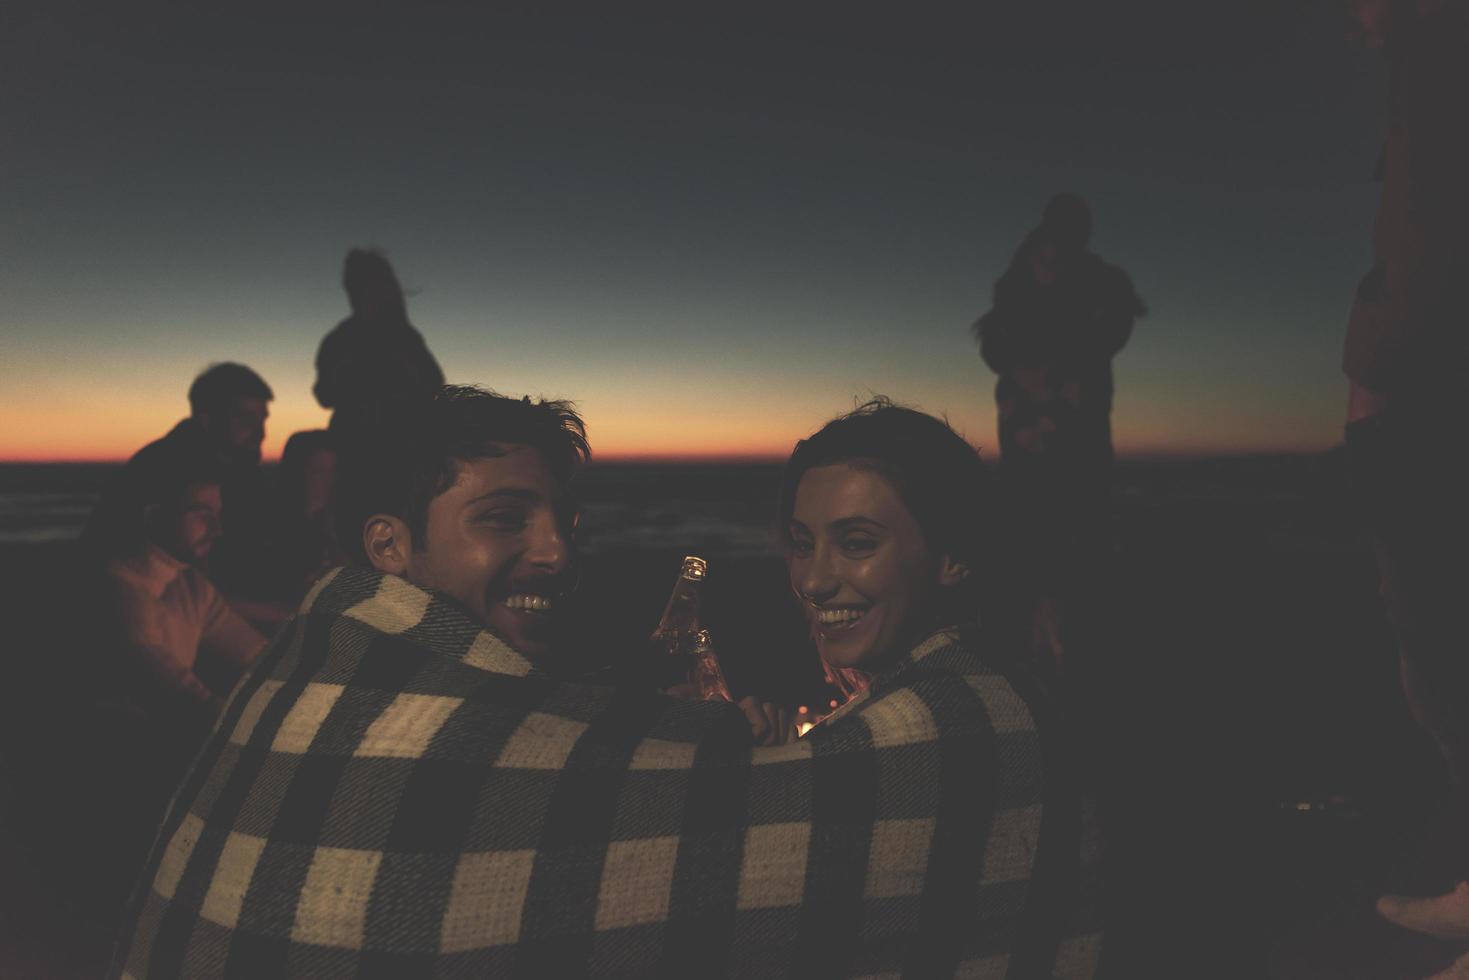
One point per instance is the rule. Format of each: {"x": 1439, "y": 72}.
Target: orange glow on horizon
{"x": 81, "y": 424}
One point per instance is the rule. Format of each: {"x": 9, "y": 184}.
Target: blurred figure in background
{"x": 228, "y": 406}
{"x": 1407, "y": 360}
{"x": 142, "y": 674}
{"x": 374, "y": 359}
{"x": 1059, "y": 316}
{"x": 177, "y": 644}
{"x": 301, "y": 545}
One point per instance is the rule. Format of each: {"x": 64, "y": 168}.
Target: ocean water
{"x": 48, "y": 502}
{"x": 1271, "y": 504}
{"x": 722, "y": 509}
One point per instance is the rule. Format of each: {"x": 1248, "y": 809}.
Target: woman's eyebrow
{"x": 855, "y": 521}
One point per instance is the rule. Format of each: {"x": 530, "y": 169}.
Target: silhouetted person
{"x": 228, "y": 406}
{"x": 1407, "y": 358}
{"x": 301, "y": 545}
{"x": 374, "y": 360}
{"x": 1059, "y": 316}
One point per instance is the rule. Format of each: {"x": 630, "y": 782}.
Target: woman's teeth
{"x": 537, "y": 603}
{"x": 838, "y": 617}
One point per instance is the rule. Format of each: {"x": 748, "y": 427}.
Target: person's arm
{"x": 997, "y": 340}
{"x": 325, "y": 388}
{"x": 229, "y": 644}
{"x": 149, "y": 647}
{"x": 1118, "y": 311}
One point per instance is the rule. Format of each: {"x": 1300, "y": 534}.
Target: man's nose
{"x": 550, "y": 547}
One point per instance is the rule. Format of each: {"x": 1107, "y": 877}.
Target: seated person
{"x": 300, "y": 545}
{"x": 178, "y": 644}
{"x": 409, "y": 784}
{"x": 228, "y": 406}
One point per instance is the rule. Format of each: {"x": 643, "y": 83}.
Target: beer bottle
{"x": 682, "y": 642}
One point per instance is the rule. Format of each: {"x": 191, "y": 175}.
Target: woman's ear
{"x": 388, "y": 543}
{"x": 952, "y": 572}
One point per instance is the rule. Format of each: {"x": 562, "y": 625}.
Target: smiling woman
{"x": 881, "y": 513}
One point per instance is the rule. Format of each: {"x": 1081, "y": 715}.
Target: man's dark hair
{"x": 415, "y": 456}
{"x": 220, "y": 384}
{"x": 938, "y": 476}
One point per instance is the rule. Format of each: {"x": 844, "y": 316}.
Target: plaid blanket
{"x": 394, "y": 791}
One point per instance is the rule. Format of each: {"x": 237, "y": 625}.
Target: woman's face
{"x": 859, "y": 565}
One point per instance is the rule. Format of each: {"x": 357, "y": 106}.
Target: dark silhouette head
{"x": 417, "y": 455}
{"x": 373, "y": 290}
{"x": 305, "y": 476}
{"x": 230, "y": 402}
{"x": 1382, "y": 20}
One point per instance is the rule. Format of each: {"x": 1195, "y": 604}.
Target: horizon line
{"x": 754, "y": 459}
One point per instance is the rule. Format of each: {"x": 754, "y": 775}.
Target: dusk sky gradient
{"x": 712, "y": 231}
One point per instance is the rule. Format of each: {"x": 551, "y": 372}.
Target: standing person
{"x": 1407, "y": 362}
{"x": 1059, "y": 316}
{"x": 375, "y": 359}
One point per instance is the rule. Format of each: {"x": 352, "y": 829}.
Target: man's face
{"x": 500, "y": 541}
{"x": 241, "y": 429}
{"x": 188, "y": 532}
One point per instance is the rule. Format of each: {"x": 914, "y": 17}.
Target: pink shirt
{"x": 178, "y": 627}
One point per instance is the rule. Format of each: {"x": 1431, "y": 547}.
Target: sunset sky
{"x": 711, "y": 231}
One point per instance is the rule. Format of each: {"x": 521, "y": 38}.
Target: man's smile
{"x": 529, "y": 602}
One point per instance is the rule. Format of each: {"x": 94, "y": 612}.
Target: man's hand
{"x": 770, "y": 724}
{"x": 1364, "y": 402}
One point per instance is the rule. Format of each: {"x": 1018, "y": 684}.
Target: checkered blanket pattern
{"x": 394, "y": 791}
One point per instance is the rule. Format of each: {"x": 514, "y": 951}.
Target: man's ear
{"x": 388, "y": 543}
{"x": 952, "y": 572}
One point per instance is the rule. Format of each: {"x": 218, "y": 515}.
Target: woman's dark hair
{"x": 415, "y": 456}
{"x": 938, "y": 476}
{"x": 372, "y": 286}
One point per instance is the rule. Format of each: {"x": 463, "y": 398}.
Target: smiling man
{"x": 471, "y": 503}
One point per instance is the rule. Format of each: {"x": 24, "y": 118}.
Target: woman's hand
{"x": 770, "y": 724}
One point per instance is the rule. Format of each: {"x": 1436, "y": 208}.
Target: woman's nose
{"x": 817, "y": 584}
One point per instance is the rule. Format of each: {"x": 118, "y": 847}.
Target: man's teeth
{"x": 538, "y": 602}
{"x": 831, "y": 616}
